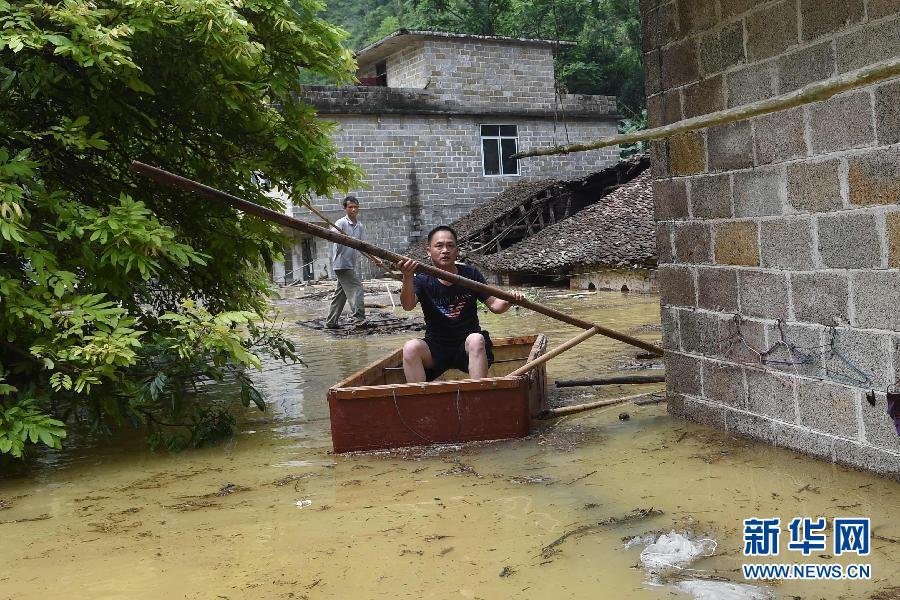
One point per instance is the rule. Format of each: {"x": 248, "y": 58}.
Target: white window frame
{"x": 499, "y": 139}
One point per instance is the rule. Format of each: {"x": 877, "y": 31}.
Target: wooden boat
{"x": 375, "y": 408}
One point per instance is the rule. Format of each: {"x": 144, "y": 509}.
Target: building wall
{"x": 405, "y": 68}
{"x": 626, "y": 280}
{"x": 426, "y": 170}
{"x": 789, "y": 221}
{"x": 480, "y": 73}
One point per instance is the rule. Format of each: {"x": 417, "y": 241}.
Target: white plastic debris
{"x": 674, "y": 550}
{"x": 303, "y": 503}
{"x": 640, "y": 540}
{"x": 722, "y": 590}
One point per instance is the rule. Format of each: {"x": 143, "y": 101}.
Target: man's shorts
{"x": 454, "y": 356}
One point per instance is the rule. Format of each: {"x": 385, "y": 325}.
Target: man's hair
{"x": 350, "y": 199}
{"x": 441, "y": 228}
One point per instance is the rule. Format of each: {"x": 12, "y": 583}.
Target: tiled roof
{"x": 618, "y": 231}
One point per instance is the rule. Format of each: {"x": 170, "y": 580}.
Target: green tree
{"x": 480, "y": 17}
{"x": 115, "y": 292}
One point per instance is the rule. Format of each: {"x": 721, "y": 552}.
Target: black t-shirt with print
{"x": 450, "y": 310}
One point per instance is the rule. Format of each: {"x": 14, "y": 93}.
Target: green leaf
{"x": 47, "y": 438}
{"x": 58, "y": 40}
{"x": 139, "y": 86}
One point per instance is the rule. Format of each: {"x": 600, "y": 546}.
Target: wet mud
{"x": 563, "y": 513}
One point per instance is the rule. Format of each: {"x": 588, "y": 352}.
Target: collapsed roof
{"x": 617, "y": 232}
{"x": 552, "y": 227}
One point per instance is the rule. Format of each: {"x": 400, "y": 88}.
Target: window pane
{"x": 510, "y": 165}
{"x": 490, "y": 130}
{"x": 508, "y": 130}
{"x": 491, "y": 156}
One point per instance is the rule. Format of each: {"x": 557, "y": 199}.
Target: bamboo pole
{"x": 814, "y": 92}
{"x": 165, "y": 177}
{"x": 555, "y": 352}
{"x": 552, "y": 413}
{"x": 623, "y": 380}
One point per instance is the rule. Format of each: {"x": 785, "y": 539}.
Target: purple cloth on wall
{"x": 893, "y": 405}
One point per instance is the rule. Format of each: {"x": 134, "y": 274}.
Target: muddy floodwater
{"x": 272, "y": 513}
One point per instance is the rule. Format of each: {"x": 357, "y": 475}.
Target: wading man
{"x": 344, "y": 261}
{"x": 453, "y": 336}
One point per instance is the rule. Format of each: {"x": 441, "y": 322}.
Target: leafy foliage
{"x": 95, "y": 262}
{"x": 606, "y": 59}
{"x": 23, "y": 422}
{"x": 200, "y": 348}
{"x": 632, "y": 124}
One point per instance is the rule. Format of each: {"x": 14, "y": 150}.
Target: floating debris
{"x": 585, "y": 476}
{"x": 292, "y": 478}
{"x": 639, "y": 540}
{"x": 701, "y": 589}
{"x": 43, "y": 517}
{"x": 531, "y": 479}
{"x": 674, "y": 550}
{"x": 230, "y": 488}
{"x": 506, "y": 572}
{"x": 891, "y": 593}
{"x": 636, "y": 515}
{"x": 303, "y": 503}
{"x": 4, "y": 504}
{"x": 461, "y": 468}
{"x": 379, "y": 323}
{"x": 198, "y": 503}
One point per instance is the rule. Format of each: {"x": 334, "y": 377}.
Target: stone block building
{"x": 781, "y": 295}
{"x": 434, "y": 127}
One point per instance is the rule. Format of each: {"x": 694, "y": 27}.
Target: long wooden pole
{"x": 165, "y": 177}
{"x": 623, "y": 380}
{"x": 814, "y": 92}
{"x": 555, "y": 352}
{"x": 552, "y": 413}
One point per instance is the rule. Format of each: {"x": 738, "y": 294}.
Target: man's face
{"x": 443, "y": 250}
{"x": 352, "y": 210}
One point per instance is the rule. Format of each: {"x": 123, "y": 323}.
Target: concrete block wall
{"x": 783, "y": 229}
{"x": 482, "y": 73}
{"x": 406, "y": 69}
{"x": 423, "y": 170}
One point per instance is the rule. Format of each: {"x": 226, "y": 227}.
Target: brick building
{"x": 781, "y": 233}
{"x": 433, "y": 129}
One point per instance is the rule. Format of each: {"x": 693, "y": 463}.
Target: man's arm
{"x": 408, "y": 298}
{"x": 499, "y": 306}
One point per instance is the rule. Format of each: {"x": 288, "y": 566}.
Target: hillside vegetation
{"x": 606, "y": 60}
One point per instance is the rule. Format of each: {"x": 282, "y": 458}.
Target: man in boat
{"x": 453, "y": 336}
{"x": 344, "y": 260}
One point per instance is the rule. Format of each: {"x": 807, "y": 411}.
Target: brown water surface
{"x": 273, "y": 514}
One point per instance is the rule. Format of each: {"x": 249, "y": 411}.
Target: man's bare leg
{"x": 478, "y": 362}
{"x": 416, "y": 358}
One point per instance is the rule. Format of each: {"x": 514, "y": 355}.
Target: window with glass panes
{"x": 498, "y": 144}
